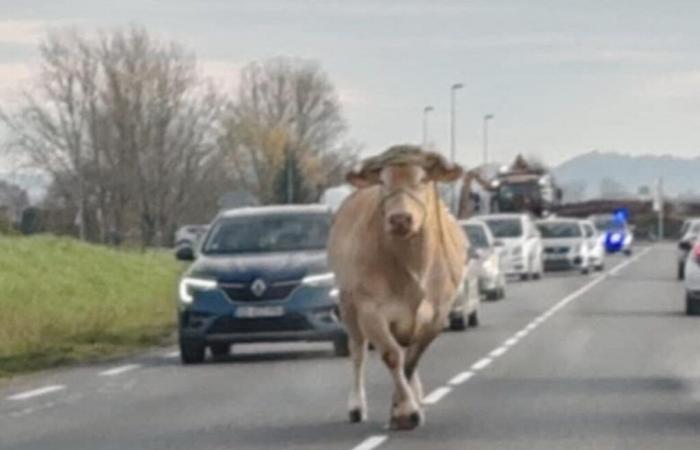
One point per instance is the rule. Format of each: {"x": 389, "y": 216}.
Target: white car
{"x": 596, "y": 245}
{"x": 521, "y": 241}
{"x": 692, "y": 280}
{"x": 689, "y": 234}
{"x": 492, "y": 277}
{"x": 565, "y": 244}
{"x": 465, "y": 310}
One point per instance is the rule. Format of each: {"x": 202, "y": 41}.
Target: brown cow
{"x": 398, "y": 256}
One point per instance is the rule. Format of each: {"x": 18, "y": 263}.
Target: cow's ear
{"x": 363, "y": 178}
{"x": 439, "y": 169}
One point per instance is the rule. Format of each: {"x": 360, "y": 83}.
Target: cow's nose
{"x": 401, "y": 221}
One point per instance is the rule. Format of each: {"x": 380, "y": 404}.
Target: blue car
{"x": 260, "y": 275}
{"x": 616, "y": 234}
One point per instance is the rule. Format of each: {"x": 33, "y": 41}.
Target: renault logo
{"x": 258, "y": 287}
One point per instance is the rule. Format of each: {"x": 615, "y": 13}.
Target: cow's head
{"x": 406, "y": 176}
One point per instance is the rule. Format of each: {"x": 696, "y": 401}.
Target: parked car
{"x": 189, "y": 235}
{"x": 565, "y": 244}
{"x": 260, "y": 275}
{"x": 688, "y": 235}
{"x": 492, "y": 278}
{"x": 618, "y": 236}
{"x": 692, "y": 280}
{"x": 522, "y": 252}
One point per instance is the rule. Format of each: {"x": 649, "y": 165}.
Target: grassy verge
{"x": 64, "y": 301}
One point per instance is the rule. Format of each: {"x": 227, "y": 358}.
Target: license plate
{"x": 250, "y": 312}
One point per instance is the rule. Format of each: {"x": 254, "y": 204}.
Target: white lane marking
{"x": 511, "y": 342}
{"x": 495, "y": 353}
{"x": 521, "y": 334}
{"x": 436, "y": 395}
{"x": 371, "y": 442}
{"x": 119, "y": 370}
{"x": 481, "y": 364}
{"x": 461, "y": 378}
{"x": 169, "y": 355}
{"x": 37, "y": 392}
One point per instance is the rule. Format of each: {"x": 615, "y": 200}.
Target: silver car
{"x": 488, "y": 259}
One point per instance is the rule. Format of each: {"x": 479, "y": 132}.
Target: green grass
{"x": 63, "y": 301}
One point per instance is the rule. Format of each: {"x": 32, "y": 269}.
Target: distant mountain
{"x": 595, "y": 171}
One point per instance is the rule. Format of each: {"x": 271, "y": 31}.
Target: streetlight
{"x": 487, "y": 117}
{"x": 428, "y": 109}
{"x": 453, "y": 90}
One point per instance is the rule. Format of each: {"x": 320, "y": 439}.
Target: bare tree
{"x": 126, "y": 126}
{"x": 286, "y": 120}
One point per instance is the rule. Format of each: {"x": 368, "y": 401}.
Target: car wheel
{"x": 220, "y": 349}
{"x": 458, "y": 323}
{"x": 585, "y": 271}
{"x": 501, "y": 293}
{"x": 192, "y": 351}
{"x": 600, "y": 267}
{"x": 681, "y": 271}
{"x": 473, "y": 320}
{"x": 492, "y": 294}
{"x": 341, "y": 347}
{"x": 524, "y": 276}
{"x": 537, "y": 275}
{"x": 627, "y": 251}
{"x": 692, "y": 305}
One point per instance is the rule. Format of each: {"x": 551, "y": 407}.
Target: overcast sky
{"x": 561, "y": 77}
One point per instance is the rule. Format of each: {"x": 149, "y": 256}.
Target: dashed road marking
{"x": 119, "y": 370}
{"x": 481, "y": 364}
{"x": 37, "y": 392}
{"x": 498, "y": 352}
{"x": 371, "y": 442}
{"x": 437, "y": 395}
{"x": 461, "y": 378}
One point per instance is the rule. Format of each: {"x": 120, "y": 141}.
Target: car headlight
{"x": 319, "y": 279}
{"x": 188, "y": 286}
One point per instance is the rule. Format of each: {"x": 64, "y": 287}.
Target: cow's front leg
{"x": 357, "y": 399}
{"x": 405, "y": 411}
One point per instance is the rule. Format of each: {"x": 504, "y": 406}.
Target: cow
{"x": 398, "y": 257}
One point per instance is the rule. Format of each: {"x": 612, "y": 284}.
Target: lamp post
{"x": 487, "y": 117}
{"x": 453, "y": 143}
{"x": 426, "y": 111}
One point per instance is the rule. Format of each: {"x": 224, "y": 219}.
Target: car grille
{"x": 242, "y": 292}
{"x": 556, "y": 250}
{"x": 290, "y": 322}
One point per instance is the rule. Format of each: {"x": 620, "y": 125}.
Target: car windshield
{"x": 476, "y": 235}
{"x": 505, "y": 228}
{"x": 268, "y": 233}
{"x": 556, "y": 230}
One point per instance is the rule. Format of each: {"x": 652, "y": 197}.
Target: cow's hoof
{"x": 356, "y": 415}
{"x": 408, "y": 422}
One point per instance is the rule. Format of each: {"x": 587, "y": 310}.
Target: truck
{"x": 520, "y": 187}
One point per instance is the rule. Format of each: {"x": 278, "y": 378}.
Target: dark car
{"x": 260, "y": 275}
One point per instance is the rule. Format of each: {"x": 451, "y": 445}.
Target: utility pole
{"x": 658, "y": 205}
{"x": 453, "y": 139}
{"x": 426, "y": 110}
{"x": 487, "y": 118}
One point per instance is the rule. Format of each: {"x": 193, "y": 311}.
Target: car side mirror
{"x": 684, "y": 245}
{"x": 184, "y": 253}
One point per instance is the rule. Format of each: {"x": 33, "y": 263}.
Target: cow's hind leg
{"x": 405, "y": 413}
{"x": 357, "y": 400}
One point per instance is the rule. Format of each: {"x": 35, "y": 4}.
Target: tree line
{"x": 139, "y": 142}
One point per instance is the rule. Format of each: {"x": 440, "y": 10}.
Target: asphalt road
{"x": 569, "y": 362}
